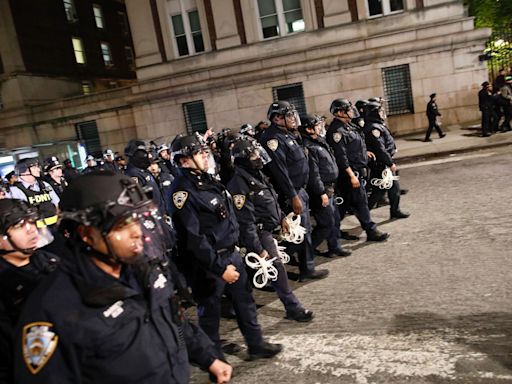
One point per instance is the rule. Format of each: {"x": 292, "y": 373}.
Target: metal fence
{"x": 498, "y": 52}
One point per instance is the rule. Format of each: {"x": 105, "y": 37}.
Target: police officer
{"x": 108, "y": 159}
{"x": 380, "y": 142}
{"x": 69, "y": 172}
{"x": 322, "y": 179}
{"x": 163, "y": 153}
{"x": 35, "y": 191}
{"x": 110, "y": 315}
{"x": 432, "y": 114}
{"x": 22, "y": 267}
{"x": 247, "y": 130}
{"x": 92, "y": 165}
{"x": 351, "y": 155}
{"x": 207, "y": 236}
{"x": 289, "y": 172}
{"x": 137, "y": 168}
{"x": 358, "y": 118}
{"x": 259, "y": 215}
{"x": 53, "y": 170}
{"x": 163, "y": 178}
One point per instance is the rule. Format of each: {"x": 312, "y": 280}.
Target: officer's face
{"x": 165, "y": 154}
{"x": 154, "y": 169}
{"x": 35, "y": 171}
{"x": 56, "y": 172}
{"x": 24, "y": 235}
{"x": 201, "y": 160}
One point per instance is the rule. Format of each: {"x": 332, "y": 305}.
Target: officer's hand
{"x": 372, "y": 156}
{"x": 285, "y": 227}
{"x": 230, "y": 275}
{"x": 355, "y": 182}
{"x": 221, "y": 370}
{"x": 264, "y": 254}
{"x": 296, "y": 205}
{"x": 393, "y": 168}
{"x": 325, "y": 200}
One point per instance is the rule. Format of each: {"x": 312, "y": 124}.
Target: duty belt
{"x": 361, "y": 172}
{"x": 225, "y": 251}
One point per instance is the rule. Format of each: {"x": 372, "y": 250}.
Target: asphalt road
{"x": 431, "y": 305}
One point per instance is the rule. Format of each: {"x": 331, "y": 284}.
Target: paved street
{"x": 431, "y": 305}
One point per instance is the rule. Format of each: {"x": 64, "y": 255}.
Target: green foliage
{"x": 495, "y": 14}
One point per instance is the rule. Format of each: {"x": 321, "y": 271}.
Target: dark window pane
{"x": 266, "y": 7}
{"x": 289, "y": 5}
{"x": 182, "y": 45}
{"x": 375, "y": 7}
{"x": 177, "y": 24}
{"x": 270, "y": 32}
{"x": 396, "y": 5}
{"x": 198, "y": 42}
{"x": 195, "y": 25}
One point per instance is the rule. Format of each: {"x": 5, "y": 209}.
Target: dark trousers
{"x": 432, "y": 123}
{"x": 208, "y": 306}
{"x": 358, "y": 200}
{"x": 487, "y": 116}
{"x": 325, "y": 228}
{"x": 507, "y": 110}
{"x": 377, "y": 193}
{"x": 283, "y": 290}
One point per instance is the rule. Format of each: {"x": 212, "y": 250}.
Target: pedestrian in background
{"x": 486, "y": 105}
{"x": 432, "y": 113}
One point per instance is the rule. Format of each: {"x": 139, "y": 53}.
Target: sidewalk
{"x": 458, "y": 139}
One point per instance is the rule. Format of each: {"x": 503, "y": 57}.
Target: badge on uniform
{"x": 179, "y": 198}
{"x": 376, "y": 133}
{"x": 336, "y": 137}
{"x": 160, "y": 282}
{"x": 39, "y": 344}
{"x": 239, "y": 201}
{"x": 273, "y": 144}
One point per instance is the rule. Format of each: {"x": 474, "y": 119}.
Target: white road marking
{"x": 451, "y": 159}
{"x": 364, "y": 356}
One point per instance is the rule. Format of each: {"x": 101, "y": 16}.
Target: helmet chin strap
{"x": 25, "y": 251}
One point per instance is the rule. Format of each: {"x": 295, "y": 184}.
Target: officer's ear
{"x": 88, "y": 234}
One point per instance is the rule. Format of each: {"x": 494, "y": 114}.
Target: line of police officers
{"x": 129, "y": 264}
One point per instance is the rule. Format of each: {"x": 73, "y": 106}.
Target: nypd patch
{"x": 273, "y": 144}
{"x": 336, "y": 137}
{"x": 179, "y": 198}
{"x": 376, "y": 133}
{"x": 239, "y": 201}
{"x": 39, "y": 343}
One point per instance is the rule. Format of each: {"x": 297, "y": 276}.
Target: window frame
{"x": 281, "y": 20}
{"x": 188, "y": 33}
{"x": 386, "y": 9}
{"x": 297, "y": 99}
{"x": 110, "y": 63}
{"x": 80, "y": 41}
{"x": 131, "y": 59}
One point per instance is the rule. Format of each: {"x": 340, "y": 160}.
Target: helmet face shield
{"x": 26, "y": 235}
{"x": 292, "y": 119}
{"x": 139, "y": 236}
{"x": 259, "y": 153}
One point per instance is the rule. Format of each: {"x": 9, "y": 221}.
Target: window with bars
{"x": 98, "y": 16}
{"x": 106, "y": 54}
{"x": 195, "y": 117}
{"x": 87, "y": 133}
{"x": 293, "y": 93}
{"x": 384, "y": 7}
{"x": 280, "y": 17}
{"x": 398, "y": 89}
{"x": 187, "y": 32}
{"x": 78, "y": 48}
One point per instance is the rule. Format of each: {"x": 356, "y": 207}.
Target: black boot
{"x": 376, "y": 235}
{"x": 265, "y": 350}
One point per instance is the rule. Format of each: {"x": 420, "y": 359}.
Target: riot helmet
{"x": 15, "y": 216}
{"x": 374, "y": 112}
{"x": 340, "y": 105}
{"x": 287, "y": 110}
{"x": 137, "y": 152}
{"x": 249, "y": 153}
{"x": 110, "y": 202}
{"x": 187, "y": 146}
{"x": 25, "y": 167}
{"x": 247, "y": 129}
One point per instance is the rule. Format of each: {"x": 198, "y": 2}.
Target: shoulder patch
{"x": 239, "y": 201}
{"x": 179, "y": 198}
{"x": 376, "y": 133}
{"x": 135, "y": 178}
{"x": 273, "y": 144}
{"x": 336, "y": 137}
{"x": 39, "y": 343}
